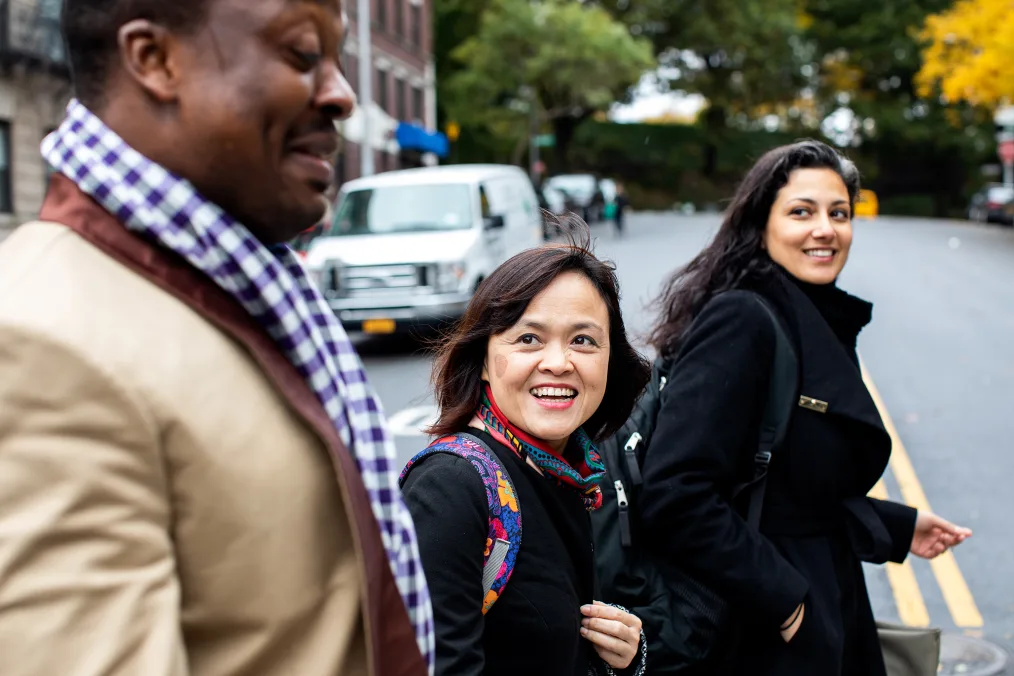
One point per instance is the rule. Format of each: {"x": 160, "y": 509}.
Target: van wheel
{"x": 478, "y": 283}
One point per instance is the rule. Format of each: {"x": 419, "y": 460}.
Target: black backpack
{"x": 684, "y": 621}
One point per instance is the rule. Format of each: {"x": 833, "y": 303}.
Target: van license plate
{"x": 378, "y": 326}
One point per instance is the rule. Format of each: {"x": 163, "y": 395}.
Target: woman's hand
{"x": 793, "y": 622}
{"x": 614, "y": 633}
{"x": 933, "y": 536}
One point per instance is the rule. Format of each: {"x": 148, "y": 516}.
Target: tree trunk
{"x": 564, "y": 129}
{"x": 714, "y": 127}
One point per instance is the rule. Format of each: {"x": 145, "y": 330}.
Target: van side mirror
{"x": 494, "y": 222}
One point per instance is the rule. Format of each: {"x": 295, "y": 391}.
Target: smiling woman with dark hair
{"x": 792, "y": 572}
{"x": 538, "y": 369}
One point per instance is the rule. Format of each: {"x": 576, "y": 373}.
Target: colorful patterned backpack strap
{"x": 503, "y": 538}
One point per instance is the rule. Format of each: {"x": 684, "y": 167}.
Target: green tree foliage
{"x": 566, "y": 59}
{"x": 869, "y": 55}
{"x": 743, "y": 56}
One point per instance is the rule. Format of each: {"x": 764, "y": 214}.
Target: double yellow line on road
{"x": 907, "y": 595}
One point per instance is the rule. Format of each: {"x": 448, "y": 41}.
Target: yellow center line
{"x": 907, "y": 595}
{"x": 958, "y": 597}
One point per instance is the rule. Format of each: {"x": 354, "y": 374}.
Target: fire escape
{"x": 30, "y": 35}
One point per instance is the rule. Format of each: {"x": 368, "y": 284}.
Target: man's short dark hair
{"x": 90, "y": 28}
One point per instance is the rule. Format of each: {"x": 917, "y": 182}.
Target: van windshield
{"x": 403, "y": 208}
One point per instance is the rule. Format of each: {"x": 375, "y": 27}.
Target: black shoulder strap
{"x": 781, "y": 401}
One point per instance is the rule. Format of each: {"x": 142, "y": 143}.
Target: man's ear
{"x": 147, "y": 53}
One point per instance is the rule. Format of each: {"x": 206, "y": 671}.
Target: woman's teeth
{"x": 820, "y": 253}
{"x": 555, "y": 392}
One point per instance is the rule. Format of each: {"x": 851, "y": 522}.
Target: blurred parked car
{"x": 993, "y": 204}
{"x": 552, "y": 200}
{"x": 555, "y": 202}
{"x": 583, "y": 195}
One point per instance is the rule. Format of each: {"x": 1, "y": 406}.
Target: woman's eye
{"x": 799, "y": 211}
{"x": 528, "y": 339}
{"x": 585, "y": 341}
{"x": 840, "y": 214}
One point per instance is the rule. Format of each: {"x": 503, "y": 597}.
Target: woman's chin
{"x": 552, "y": 433}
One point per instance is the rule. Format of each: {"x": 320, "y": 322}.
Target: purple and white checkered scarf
{"x": 275, "y": 289}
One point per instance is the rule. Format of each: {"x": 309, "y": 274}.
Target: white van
{"x": 410, "y": 247}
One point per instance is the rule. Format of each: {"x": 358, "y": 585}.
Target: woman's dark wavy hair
{"x": 499, "y": 303}
{"x": 736, "y": 253}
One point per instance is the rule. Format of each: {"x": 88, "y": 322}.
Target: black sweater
{"x": 534, "y": 627}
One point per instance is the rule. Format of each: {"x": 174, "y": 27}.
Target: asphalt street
{"x": 940, "y": 353}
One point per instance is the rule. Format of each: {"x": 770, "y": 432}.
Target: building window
{"x": 417, "y": 104}
{"x": 415, "y": 30}
{"x": 50, "y": 40}
{"x": 380, "y": 18}
{"x": 399, "y": 99}
{"x": 399, "y": 18}
{"x": 6, "y": 203}
{"x": 382, "y": 99}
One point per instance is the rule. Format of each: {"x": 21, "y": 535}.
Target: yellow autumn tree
{"x": 969, "y": 53}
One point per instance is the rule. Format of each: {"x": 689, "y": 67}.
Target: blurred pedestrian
{"x": 538, "y": 368}
{"x": 195, "y": 478}
{"x": 620, "y": 201}
{"x": 797, "y": 585}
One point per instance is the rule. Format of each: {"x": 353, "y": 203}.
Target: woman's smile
{"x": 554, "y": 397}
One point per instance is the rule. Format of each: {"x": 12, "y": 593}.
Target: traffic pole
{"x": 533, "y": 144}
{"x": 1004, "y": 120}
{"x": 366, "y": 167}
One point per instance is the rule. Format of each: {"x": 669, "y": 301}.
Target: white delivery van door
{"x": 494, "y": 239}
{"x": 522, "y": 227}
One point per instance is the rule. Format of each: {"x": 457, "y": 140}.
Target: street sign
{"x": 453, "y": 130}
{"x": 545, "y": 140}
{"x": 1006, "y": 152}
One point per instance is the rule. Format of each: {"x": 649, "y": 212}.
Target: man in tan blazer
{"x": 195, "y": 478}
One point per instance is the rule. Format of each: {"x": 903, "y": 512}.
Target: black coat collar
{"x": 828, "y": 370}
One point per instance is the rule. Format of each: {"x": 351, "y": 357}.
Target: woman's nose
{"x": 555, "y": 359}
{"x": 823, "y": 229}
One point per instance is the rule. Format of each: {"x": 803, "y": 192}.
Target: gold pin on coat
{"x": 813, "y": 404}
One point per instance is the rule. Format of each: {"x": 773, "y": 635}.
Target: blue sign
{"x": 414, "y": 137}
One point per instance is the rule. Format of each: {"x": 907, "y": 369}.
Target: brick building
{"x": 35, "y": 88}
{"x": 404, "y": 92}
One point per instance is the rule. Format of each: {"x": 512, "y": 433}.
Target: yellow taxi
{"x": 867, "y": 205}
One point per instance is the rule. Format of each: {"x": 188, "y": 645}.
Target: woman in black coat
{"x": 538, "y": 367}
{"x": 797, "y": 586}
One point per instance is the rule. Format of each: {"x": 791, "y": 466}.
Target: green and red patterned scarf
{"x": 584, "y": 478}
